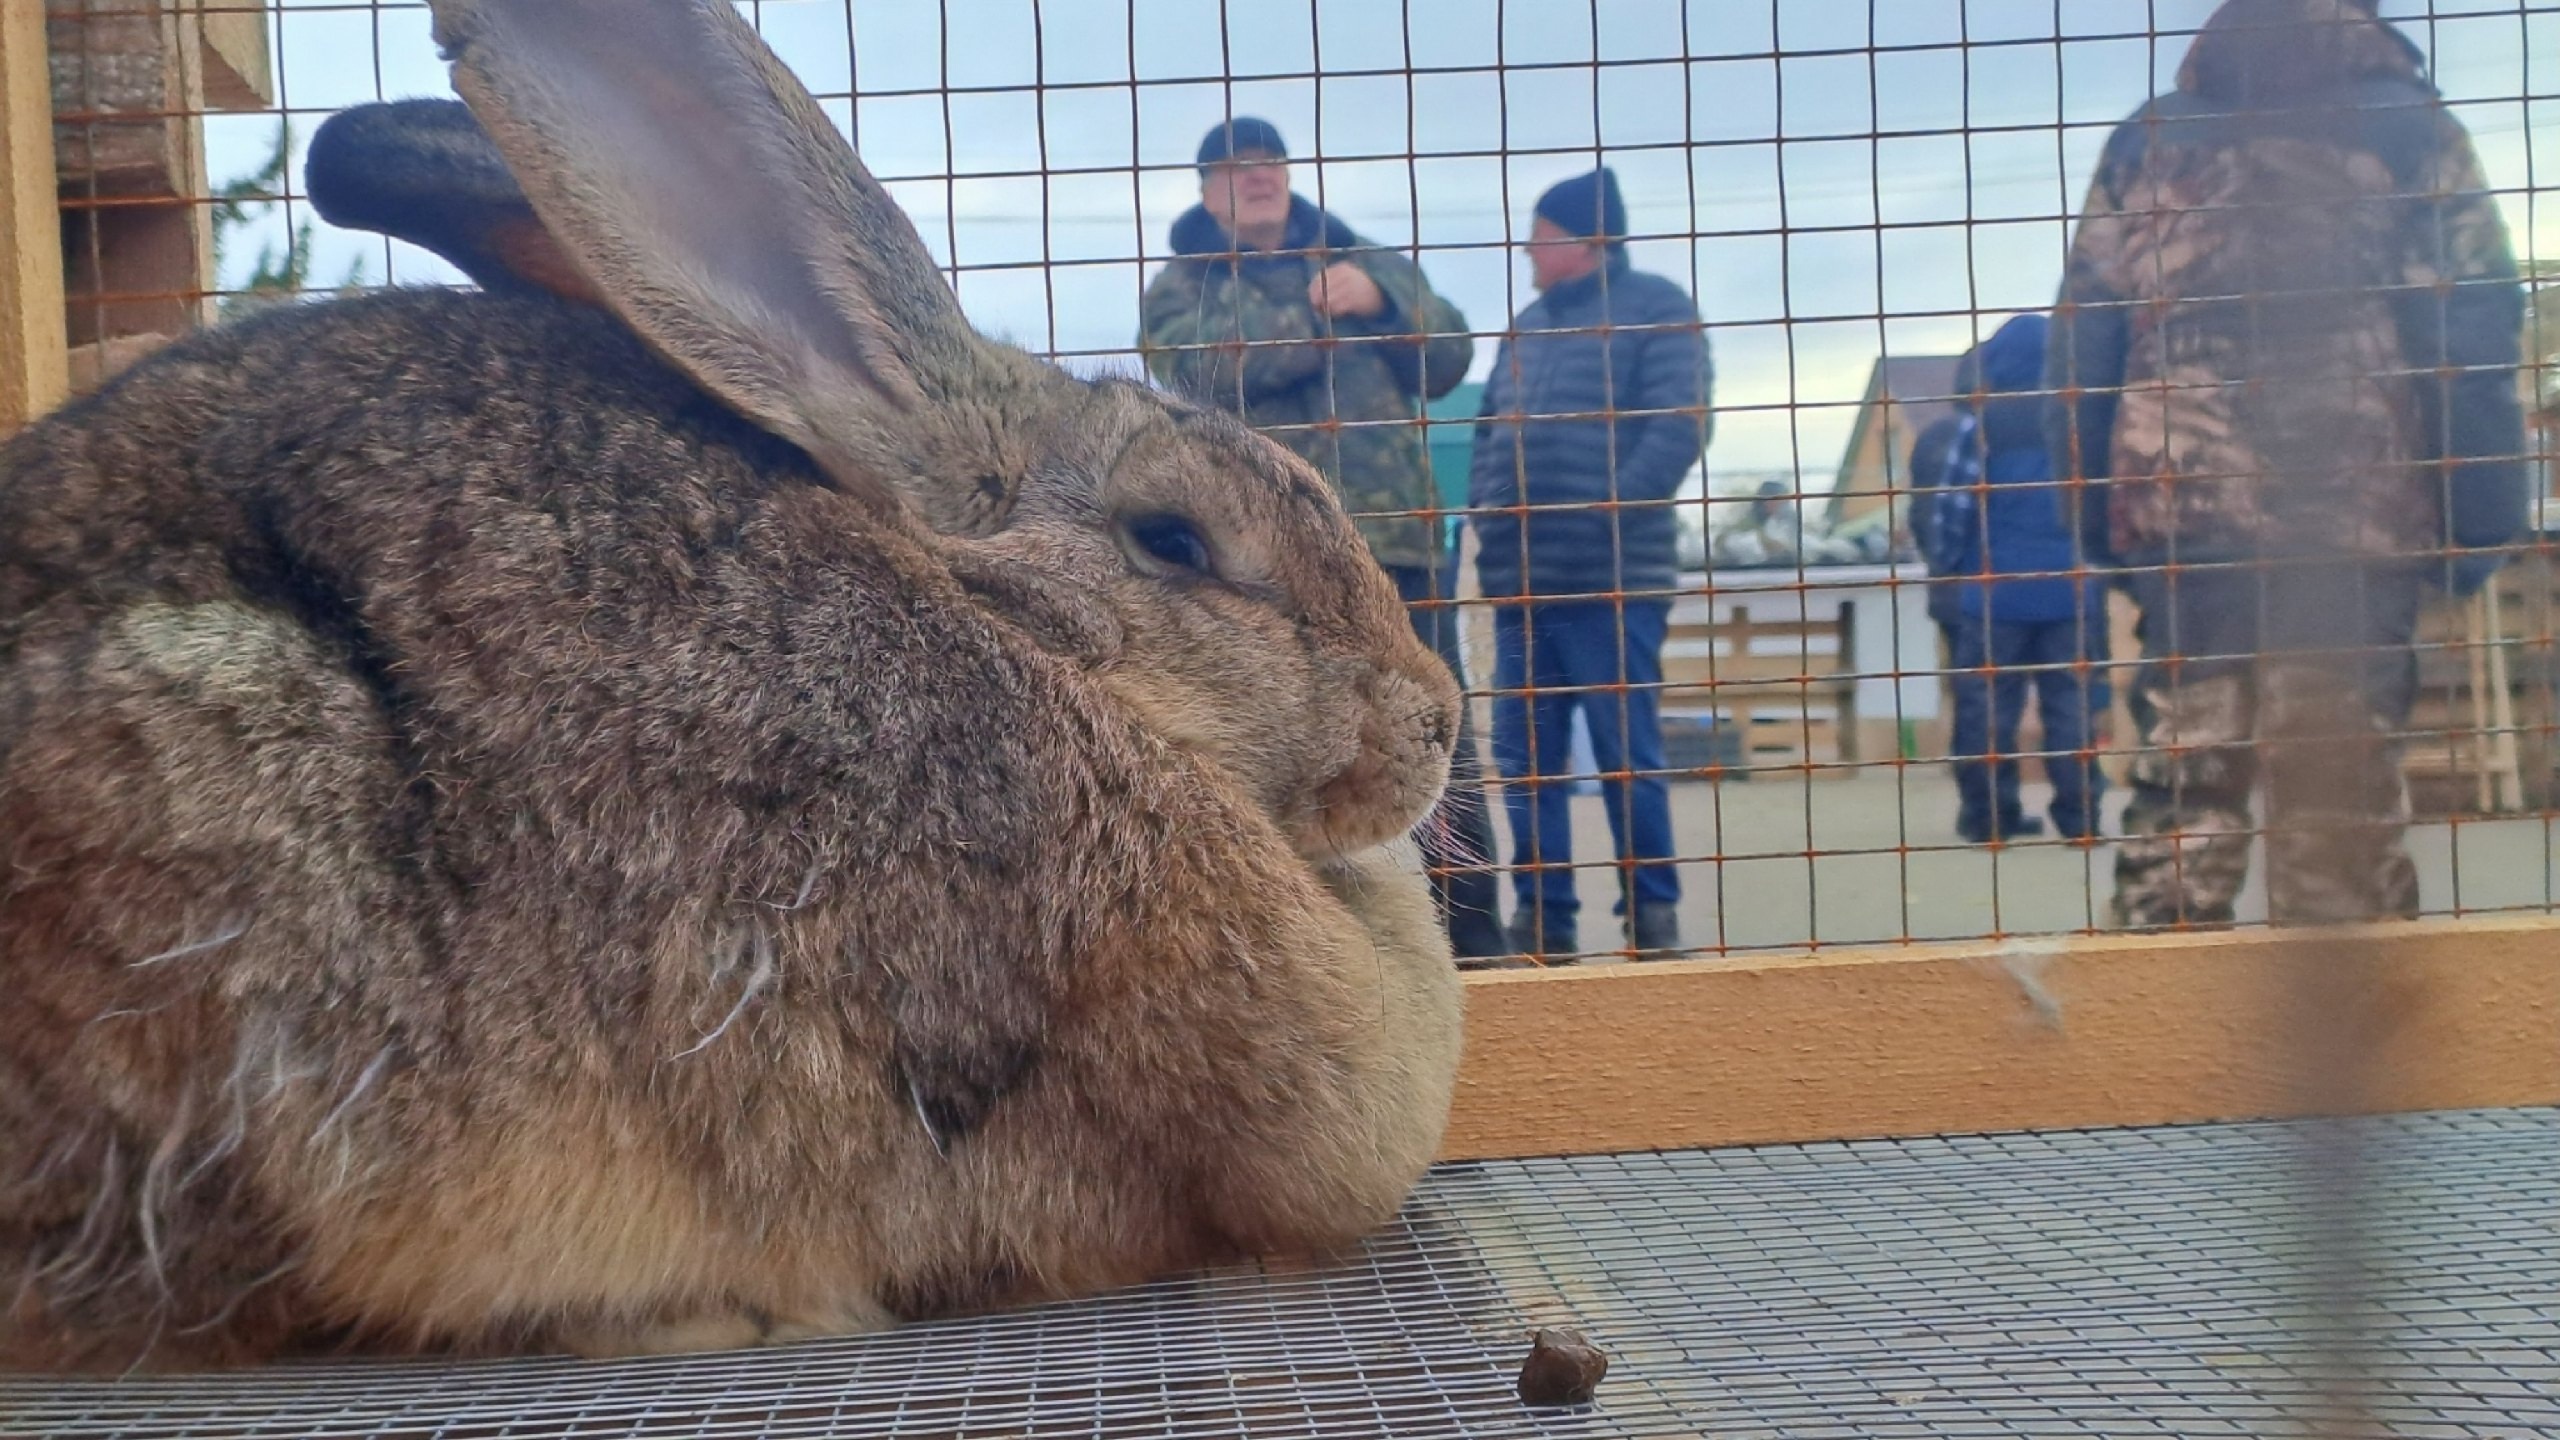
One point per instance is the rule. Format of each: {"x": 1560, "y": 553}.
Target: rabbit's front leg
{"x": 734, "y": 1328}
{"x": 618, "y": 1340}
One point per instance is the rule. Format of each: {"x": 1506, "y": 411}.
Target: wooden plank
{"x": 2029, "y": 1035}
{"x": 32, "y": 369}
{"x": 128, "y": 83}
{"x": 120, "y": 101}
{"x": 237, "y": 71}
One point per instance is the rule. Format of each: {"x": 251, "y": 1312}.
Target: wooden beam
{"x": 129, "y": 98}
{"x": 237, "y": 73}
{"x": 31, "y": 336}
{"x": 122, "y": 107}
{"x": 2080, "y": 1033}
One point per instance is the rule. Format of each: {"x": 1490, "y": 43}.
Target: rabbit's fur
{"x": 515, "y": 835}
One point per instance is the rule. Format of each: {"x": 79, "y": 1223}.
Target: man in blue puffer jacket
{"x": 1594, "y": 412}
{"x": 2016, "y": 614}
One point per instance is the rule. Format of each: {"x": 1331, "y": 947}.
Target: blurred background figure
{"x": 1595, "y": 410}
{"x": 2292, "y": 321}
{"x": 1278, "y": 311}
{"x": 2016, "y": 612}
{"x": 1769, "y": 532}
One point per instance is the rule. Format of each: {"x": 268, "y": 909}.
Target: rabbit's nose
{"x": 1438, "y": 730}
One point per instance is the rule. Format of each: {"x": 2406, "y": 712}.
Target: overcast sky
{"x": 1803, "y": 164}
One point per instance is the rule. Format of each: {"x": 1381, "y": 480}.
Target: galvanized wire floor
{"x": 2114, "y": 1283}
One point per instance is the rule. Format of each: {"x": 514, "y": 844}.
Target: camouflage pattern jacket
{"x": 2291, "y": 320}
{"x": 1236, "y": 331}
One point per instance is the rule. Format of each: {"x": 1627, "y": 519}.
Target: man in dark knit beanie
{"x": 1594, "y": 412}
{"x": 1586, "y": 207}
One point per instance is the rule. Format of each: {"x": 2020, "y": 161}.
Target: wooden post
{"x": 237, "y": 72}
{"x": 2504, "y": 754}
{"x": 31, "y": 337}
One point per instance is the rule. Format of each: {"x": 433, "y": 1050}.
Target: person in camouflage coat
{"x": 1276, "y": 310}
{"x": 2284, "y": 362}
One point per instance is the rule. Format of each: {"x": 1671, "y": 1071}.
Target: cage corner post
{"x": 33, "y": 363}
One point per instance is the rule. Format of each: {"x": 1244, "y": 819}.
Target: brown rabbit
{"x": 749, "y": 813}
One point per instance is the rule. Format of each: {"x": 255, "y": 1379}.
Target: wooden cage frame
{"x": 2021, "y": 1034}
{"x": 2078, "y": 1032}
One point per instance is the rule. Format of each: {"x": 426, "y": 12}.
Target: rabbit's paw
{"x": 609, "y": 1340}
{"x": 712, "y": 1330}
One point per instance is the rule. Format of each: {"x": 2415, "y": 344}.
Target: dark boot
{"x": 1654, "y": 930}
{"x": 1554, "y": 945}
{"x": 2080, "y": 825}
{"x": 2011, "y": 827}
{"x": 1478, "y": 941}
{"x": 1476, "y": 936}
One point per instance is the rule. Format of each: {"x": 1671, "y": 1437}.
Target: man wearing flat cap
{"x": 1593, "y": 415}
{"x": 1278, "y": 311}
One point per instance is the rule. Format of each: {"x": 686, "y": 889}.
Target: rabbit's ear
{"x": 425, "y": 172}
{"x": 717, "y": 210}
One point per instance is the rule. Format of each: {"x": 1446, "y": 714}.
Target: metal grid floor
{"x": 2132, "y": 1282}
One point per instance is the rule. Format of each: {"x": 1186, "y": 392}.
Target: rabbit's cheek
{"x": 1390, "y": 783}
{"x": 1191, "y": 721}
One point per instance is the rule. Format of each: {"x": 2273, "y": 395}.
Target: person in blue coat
{"x": 2017, "y": 611}
{"x": 1594, "y": 413}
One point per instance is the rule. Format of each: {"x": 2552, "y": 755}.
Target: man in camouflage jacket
{"x": 1274, "y": 309}
{"x": 2284, "y": 363}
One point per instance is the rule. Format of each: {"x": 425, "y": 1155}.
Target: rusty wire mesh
{"x": 1853, "y": 194}
{"x": 1916, "y": 1288}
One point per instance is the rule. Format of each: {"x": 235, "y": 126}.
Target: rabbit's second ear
{"x": 424, "y": 171}
{"x": 709, "y": 200}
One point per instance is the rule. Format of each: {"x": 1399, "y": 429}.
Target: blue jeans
{"x": 1988, "y": 706}
{"x": 1575, "y": 655}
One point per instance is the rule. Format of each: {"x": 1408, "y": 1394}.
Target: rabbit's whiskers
{"x": 757, "y": 980}
{"x": 364, "y": 1082}
{"x": 230, "y": 931}
{"x": 157, "y": 1188}
{"x": 273, "y": 1034}
{"x": 808, "y": 887}
{"x": 254, "y": 1284}
{"x": 87, "y": 1245}
{"x": 924, "y": 1117}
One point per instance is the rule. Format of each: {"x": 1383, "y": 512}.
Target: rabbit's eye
{"x": 1170, "y": 540}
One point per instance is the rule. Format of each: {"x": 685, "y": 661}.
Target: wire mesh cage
{"x": 1848, "y": 201}
{"x": 1978, "y": 471}
{"x": 1916, "y": 1288}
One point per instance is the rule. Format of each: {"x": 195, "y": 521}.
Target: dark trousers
{"x": 2300, "y": 675}
{"x": 1457, "y": 836}
{"x": 1994, "y": 664}
{"x": 1605, "y": 659}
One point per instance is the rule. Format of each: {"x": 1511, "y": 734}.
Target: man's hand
{"x": 1344, "y": 289}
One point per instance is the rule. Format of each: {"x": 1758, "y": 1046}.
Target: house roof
{"x": 1923, "y": 386}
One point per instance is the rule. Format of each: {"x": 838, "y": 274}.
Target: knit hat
{"x": 2013, "y": 358}
{"x": 1238, "y": 136}
{"x": 1587, "y": 205}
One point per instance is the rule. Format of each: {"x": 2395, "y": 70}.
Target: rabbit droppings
{"x": 740, "y": 811}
